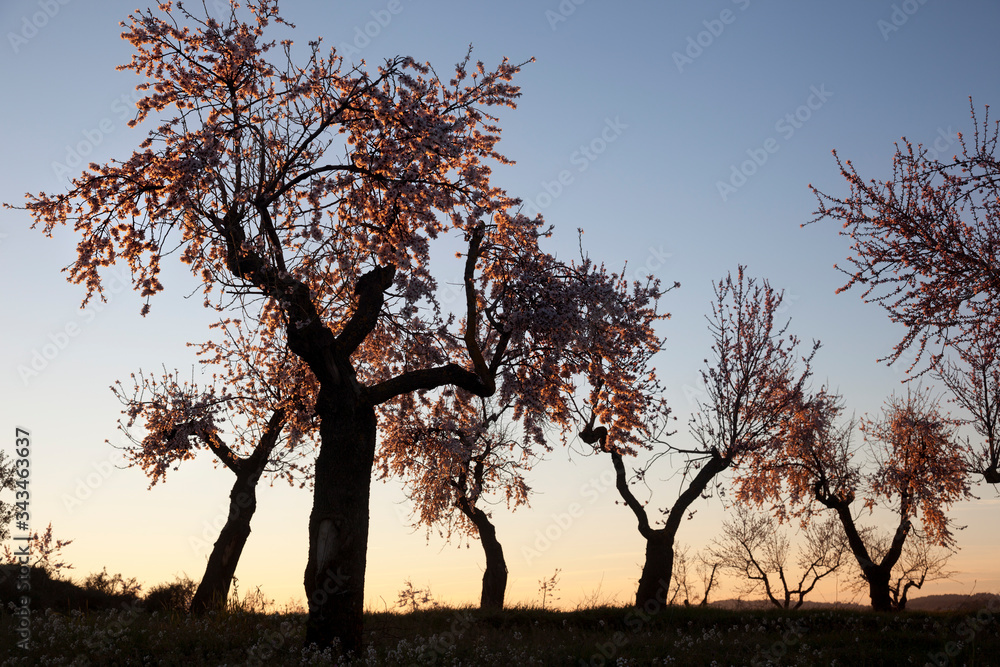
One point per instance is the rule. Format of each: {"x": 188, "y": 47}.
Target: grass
{"x": 107, "y": 622}
{"x": 519, "y": 636}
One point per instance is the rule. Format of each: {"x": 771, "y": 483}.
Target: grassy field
{"x": 131, "y": 635}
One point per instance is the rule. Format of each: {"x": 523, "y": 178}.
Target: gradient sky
{"x": 647, "y": 106}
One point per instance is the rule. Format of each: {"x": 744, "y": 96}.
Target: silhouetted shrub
{"x": 171, "y": 597}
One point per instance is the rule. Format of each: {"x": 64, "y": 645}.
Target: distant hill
{"x": 766, "y": 604}
{"x": 952, "y": 602}
{"x": 949, "y": 602}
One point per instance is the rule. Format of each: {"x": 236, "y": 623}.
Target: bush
{"x": 112, "y": 585}
{"x": 171, "y": 597}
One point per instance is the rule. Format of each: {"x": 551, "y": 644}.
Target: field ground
{"x": 130, "y": 635}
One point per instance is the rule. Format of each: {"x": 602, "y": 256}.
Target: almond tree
{"x": 264, "y": 394}
{"x": 975, "y": 384}
{"x": 920, "y": 561}
{"x": 453, "y": 453}
{"x": 454, "y": 449}
{"x": 751, "y": 384}
{"x": 918, "y": 470}
{"x": 322, "y": 189}
{"x": 925, "y": 242}
{"x": 753, "y": 546}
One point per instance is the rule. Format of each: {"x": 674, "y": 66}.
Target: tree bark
{"x": 213, "y": 591}
{"x": 495, "y": 575}
{"x": 654, "y": 584}
{"x": 878, "y": 587}
{"x": 338, "y": 524}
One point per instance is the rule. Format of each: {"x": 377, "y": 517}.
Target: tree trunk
{"x": 214, "y": 587}
{"x": 654, "y": 584}
{"x": 877, "y": 574}
{"x": 495, "y": 576}
{"x": 657, "y": 571}
{"x": 338, "y": 524}
{"x": 878, "y": 588}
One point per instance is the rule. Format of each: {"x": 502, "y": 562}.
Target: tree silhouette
{"x": 974, "y": 380}
{"x": 323, "y": 189}
{"x": 453, "y": 453}
{"x": 454, "y": 449}
{"x": 264, "y": 394}
{"x": 752, "y": 545}
{"x": 918, "y": 470}
{"x": 751, "y": 384}
{"x": 920, "y": 561}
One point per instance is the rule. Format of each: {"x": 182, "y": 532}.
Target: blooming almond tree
{"x": 455, "y": 449}
{"x": 453, "y": 453}
{"x": 751, "y": 384}
{"x": 323, "y": 188}
{"x": 918, "y": 470}
{"x": 265, "y": 394}
{"x": 925, "y": 242}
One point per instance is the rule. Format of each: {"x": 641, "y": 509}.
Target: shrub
{"x": 171, "y": 597}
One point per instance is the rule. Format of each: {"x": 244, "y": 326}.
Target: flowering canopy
{"x": 917, "y": 464}
{"x": 323, "y": 188}
{"x": 259, "y": 391}
{"x": 925, "y": 242}
{"x": 454, "y": 447}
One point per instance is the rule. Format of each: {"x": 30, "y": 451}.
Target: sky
{"x": 681, "y": 137}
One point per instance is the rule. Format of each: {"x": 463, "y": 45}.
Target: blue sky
{"x": 680, "y": 136}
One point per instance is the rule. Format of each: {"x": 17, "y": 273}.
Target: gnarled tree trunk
{"x": 213, "y": 590}
{"x": 878, "y": 588}
{"x": 495, "y": 575}
{"x": 214, "y": 587}
{"x": 877, "y": 574}
{"x": 657, "y": 570}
